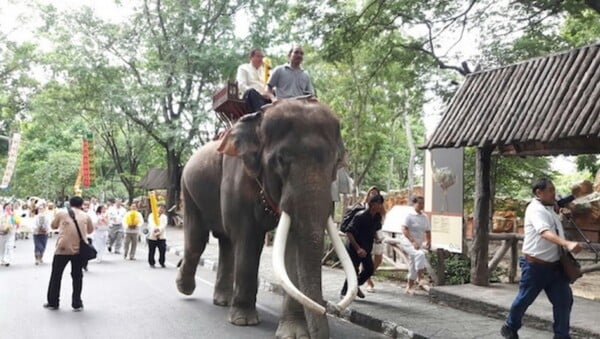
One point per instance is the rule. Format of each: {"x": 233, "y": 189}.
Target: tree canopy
{"x": 143, "y": 85}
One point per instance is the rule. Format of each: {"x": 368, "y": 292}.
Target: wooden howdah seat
{"x": 227, "y": 104}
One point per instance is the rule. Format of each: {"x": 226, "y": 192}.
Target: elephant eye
{"x": 281, "y": 162}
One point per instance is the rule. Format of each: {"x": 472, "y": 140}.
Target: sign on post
{"x": 444, "y": 197}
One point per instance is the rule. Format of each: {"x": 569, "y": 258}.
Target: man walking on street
{"x": 116, "y": 213}
{"x": 540, "y": 265}
{"x": 360, "y": 233}
{"x": 157, "y": 237}
{"x": 67, "y": 249}
{"x": 133, "y": 221}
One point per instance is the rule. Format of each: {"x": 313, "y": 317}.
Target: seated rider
{"x": 290, "y": 80}
{"x": 251, "y": 82}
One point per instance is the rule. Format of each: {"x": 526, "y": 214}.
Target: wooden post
{"x": 514, "y": 259}
{"x": 441, "y": 267}
{"x": 481, "y": 220}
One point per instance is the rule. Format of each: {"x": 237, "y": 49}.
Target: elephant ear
{"x": 242, "y": 140}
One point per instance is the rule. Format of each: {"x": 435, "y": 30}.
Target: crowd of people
{"x": 544, "y": 241}
{"x": 103, "y": 226}
{"x": 365, "y": 241}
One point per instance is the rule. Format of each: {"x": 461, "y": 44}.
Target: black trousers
{"x": 254, "y": 101}
{"x": 367, "y": 267}
{"x": 58, "y": 266}
{"x": 162, "y": 248}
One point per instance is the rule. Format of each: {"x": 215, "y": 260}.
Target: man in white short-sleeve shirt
{"x": 416, "y": 240}
{"x": 540, "y": 267}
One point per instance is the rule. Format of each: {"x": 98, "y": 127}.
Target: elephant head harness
{"x": 269, "y": 206}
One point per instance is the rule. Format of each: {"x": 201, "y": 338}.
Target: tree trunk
{"x": 174, "y": 188}
{"x": 481, "y": 220}
{"x": 412, "y": 149}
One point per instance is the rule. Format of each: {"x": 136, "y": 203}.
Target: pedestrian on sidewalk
{"x": 67, "y": 250}
{"x": 416, "y": 241}
{"x": 133, "y": 221}
{"x": 157, "y": 236}
{"x": 116, "y": 213}
{"x": 8, "y": 230}
{"x": 86, "y": 208}
{"x": 41, "y": 225}
{"x": 378, "y": 240}
{"x": 361, "y": 233}
{"x": 101, "y": 228}
{"x": 540, "y": 266}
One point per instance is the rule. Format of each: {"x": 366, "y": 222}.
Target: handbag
{"x": 86, "y": 251}
{"x": 570, "y": 266}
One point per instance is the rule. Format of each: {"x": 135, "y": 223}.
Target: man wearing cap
{"x": 361, "y": 232}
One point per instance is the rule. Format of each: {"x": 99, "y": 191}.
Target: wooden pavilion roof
{"x": 543, "y": 106}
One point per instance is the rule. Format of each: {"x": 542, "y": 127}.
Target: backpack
{"x": 349, "y": 215}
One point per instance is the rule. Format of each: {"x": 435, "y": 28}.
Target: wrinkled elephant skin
{"x": 292, "y": 151}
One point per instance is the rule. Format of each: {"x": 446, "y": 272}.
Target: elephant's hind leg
{"x": 196, "y": 237}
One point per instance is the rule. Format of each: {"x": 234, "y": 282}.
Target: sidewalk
{"x": 474, "y": 312}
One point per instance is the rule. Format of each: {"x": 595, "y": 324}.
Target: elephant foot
{"x": 221, "y": 299}
{"x": 243, "y": 316}
{"x": 185, "y": 284}
{"x": 292, "y": 329}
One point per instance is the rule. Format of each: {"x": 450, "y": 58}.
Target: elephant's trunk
{"x": 281, "y": 273}
{"x": 279, "y": 243}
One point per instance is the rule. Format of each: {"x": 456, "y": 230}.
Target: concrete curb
{"x": 498, "y": 312}
{"x": 387, "y": 328}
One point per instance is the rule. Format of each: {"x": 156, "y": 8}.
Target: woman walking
{"x": 41, "y": 225}
{"x": 8, "y": 226}
{"x": 101, "y": 227}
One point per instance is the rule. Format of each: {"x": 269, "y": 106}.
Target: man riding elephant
{"x": 271, "y": 169}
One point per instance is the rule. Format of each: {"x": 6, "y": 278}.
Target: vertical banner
{"x": 13, "y": 151}
{"x": 154, "y": 208}
{"x": 87, "y": 160}
{"x": 444, "y": 197}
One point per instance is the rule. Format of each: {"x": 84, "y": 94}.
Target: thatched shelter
{"x": 543, "y": 106}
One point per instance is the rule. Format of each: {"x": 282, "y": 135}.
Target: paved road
{"x": 127, "y": 299}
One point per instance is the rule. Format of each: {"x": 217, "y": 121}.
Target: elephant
{"x": 272, "y": 169}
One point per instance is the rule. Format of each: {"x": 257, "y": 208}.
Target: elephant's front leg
{"x": 224, "y": 285}
{"x": 247, "y": 258}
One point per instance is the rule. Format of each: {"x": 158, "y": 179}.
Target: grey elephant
{"x": 271, "y": 169}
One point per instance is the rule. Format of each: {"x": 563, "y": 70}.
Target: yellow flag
{"x": 154, "y": 208}
{"x": 267, "y": 69}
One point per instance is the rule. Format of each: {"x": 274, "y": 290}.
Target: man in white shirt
{"x": 157, "y": 237}
{"x": 116, "y": 212}
{"x": 251, "y": 81}
{"x": 415, "y": 241}
{"x": 540, "y": 266}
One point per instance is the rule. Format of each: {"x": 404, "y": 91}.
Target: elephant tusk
{"x": 342, "y": 254}
{"x": 279, "y": 243}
